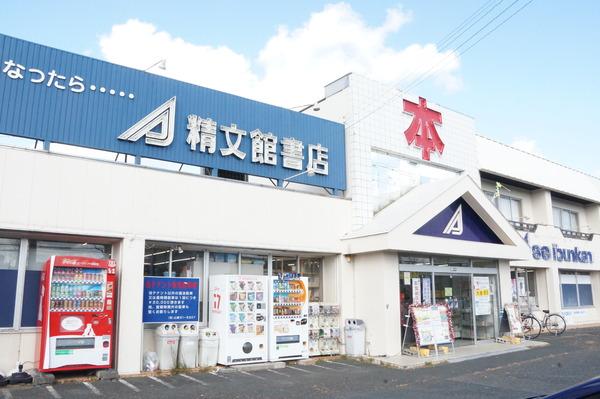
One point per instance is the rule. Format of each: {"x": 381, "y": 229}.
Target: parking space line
{"x": 189, "y": 377}
{"x": 92, "y": 388}
{"x": 277, "y": 372}
{"x": 6, "y": 394}
{"x": 299, "y": 369}
{"x": 218, "y": 375}
{"x": 161, "y": 381}
{"x": 342, "y": 364}
{"x": 129, "y": 385}
{"x": 53, "y": 392}
{"x": 252, "y": 375}
{"x": 322, "y": 367}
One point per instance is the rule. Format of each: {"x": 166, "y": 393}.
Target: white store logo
{"x": 163, "y": 116}
{"x": 455, "y": 225}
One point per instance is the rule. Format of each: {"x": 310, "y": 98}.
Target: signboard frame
{"x": 169, "y": 311}
{"x": 417, "y": 327}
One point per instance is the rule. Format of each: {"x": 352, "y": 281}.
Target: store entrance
{"x": 455, "y": 291}
{"x": 470, "y": 289}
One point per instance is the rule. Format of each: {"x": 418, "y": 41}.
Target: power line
{"x": 384, "y": 103}
{"x": 451, "y": 37}
{"x": 455, "y": 35}
{"x": 425, "y": 75}
{"x": 416, "y": 84}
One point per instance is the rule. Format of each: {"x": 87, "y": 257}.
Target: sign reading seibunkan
{"x": 81, "y": 101}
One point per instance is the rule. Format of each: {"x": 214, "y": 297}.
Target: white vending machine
{"x": 288, "y": 317}
{"x": 239, "y": 314}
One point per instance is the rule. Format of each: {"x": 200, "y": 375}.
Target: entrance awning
{"x": 450, "y": 217}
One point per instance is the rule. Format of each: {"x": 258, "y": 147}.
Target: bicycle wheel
{"x": 531, "y": 327}
{"x": 555, "y": 324}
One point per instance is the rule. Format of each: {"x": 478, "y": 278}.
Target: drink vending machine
{"x": 76, "y": 313}
{"x": 288, "y": 337}
{"x": 239, "y": 313}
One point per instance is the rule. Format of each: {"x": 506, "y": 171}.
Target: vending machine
{"x": 76, "y": 313}
{"x": 288, "y": 317}
{"x": 239, "y": 314}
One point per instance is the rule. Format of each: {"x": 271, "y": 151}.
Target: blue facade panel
{"x": 34, "y": 104}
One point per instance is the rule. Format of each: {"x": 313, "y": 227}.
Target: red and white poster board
{"x": 432, "y": 324}
{"x": 513, "y": 315}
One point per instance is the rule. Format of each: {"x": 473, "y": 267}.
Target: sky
{"x": 532, "y": 83}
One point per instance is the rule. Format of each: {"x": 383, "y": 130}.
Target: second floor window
{"x": 509, "y": 207}
{"x": 565, "y": 219}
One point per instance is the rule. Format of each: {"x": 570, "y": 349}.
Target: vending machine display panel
{"x": 76, "y": 313}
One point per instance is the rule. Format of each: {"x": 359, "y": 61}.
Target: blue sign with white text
{"x": 171, "y": 299}
{"x": 55, "y": 96}
{"x": 459, "y": 222}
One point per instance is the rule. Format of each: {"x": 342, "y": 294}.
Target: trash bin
{"x": 167, "y": 342}
{"x": 209, "y": 348}
{"x": 354, "y": 332}
{"x": 188, "y": 346}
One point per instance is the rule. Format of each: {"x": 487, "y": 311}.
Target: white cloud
{"x": 527, "y": 145}
{"x": 294, "y": 64}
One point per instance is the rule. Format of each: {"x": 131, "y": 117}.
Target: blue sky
{"x": 533, "y": 82}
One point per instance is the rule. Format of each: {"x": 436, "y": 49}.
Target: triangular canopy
{"x": 451, "y": 217}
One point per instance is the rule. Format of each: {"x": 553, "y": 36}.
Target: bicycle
{"x": 553, "y": 322}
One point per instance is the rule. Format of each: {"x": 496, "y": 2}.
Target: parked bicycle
{"x": 532, "y": 326}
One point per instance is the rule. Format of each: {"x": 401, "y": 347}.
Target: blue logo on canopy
{"x": 459, "y": 222}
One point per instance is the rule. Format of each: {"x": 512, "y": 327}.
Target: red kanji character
{"x": 422, "y": 129}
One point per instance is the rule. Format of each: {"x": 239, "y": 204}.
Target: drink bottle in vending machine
{"x": 288, "y": 317}
{"x": 77, "y": 313}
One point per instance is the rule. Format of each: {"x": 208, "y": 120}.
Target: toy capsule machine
{"x": 77, "y": 313}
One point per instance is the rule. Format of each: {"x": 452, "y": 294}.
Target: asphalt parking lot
{"x": 569, "y": 359}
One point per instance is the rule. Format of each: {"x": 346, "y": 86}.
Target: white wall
{"x": 377, "y": 293}
{"x": 503, "y": 160}
{"x": 375, "y": 119}
{"x": 56, "y": 193}
{"x": 51, "y": 193}
{"x": 22, "y": 347}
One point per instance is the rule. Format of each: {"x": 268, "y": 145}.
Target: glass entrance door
{"x": 415, "y": 288}
{"x": 455, "y": 290}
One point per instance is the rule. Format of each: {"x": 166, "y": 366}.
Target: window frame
{"x": 24, "y": 253}
{"x": 513, "y": 202}
{"x": 577, "y": 284}
{"x": 572, "y": 215}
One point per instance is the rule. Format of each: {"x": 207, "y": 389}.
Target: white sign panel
{"x": 431, "y": 324}
{"x": 481, "y": 289}
{"x": 416, "y": 291}
{"x": 426, "y": 291}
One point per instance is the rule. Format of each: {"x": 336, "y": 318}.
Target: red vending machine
{"x": 77, "y": 313}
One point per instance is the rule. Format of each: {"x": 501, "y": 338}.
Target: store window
{"x": 282, "y": 264}
{"x": 255, "y": 265}
{"x": 392, "y": 176}
{"x": 565, "y": 219}
{"x": 164, "y": 260}
{"x": 576, "y": 289}
{"x": 313, "y": 268}
{"x": 451, "y": 261}
{"x": 9, "y": 269}
{"x": 509, "y": 207}
{"x": 223, "y": 263}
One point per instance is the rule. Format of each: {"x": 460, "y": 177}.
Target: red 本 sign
{"x": 422, "y": 130}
